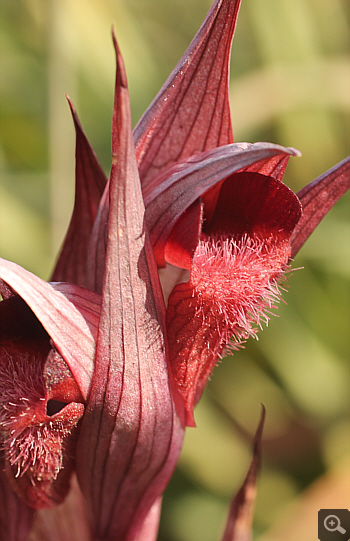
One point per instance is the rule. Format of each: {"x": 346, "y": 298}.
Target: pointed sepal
{"x": 317, "y": 199}
{"x": 201, "y": 177}
{"x": 131, "y": 434}
{"x": 90, "y": 182}
{"x": 191, "y": 113}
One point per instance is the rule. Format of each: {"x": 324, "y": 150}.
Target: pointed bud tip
{"x": 74, "y": 114}
{"x": 121, "y": 73}
{"x": 70, "y": 103}
{"x": 294, "y": 152}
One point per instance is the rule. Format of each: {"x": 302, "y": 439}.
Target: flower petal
{"x": 183, "y": 239}
{"x": 241, "y": 254}
{"x": 271, "y": 167}
{"x": 182, "y": 184}
{"x": 131, "y": 436}
{"x": 230, "y": 294}
{"x": 239, "y": 522}
{"x": 150, "y": 525}
{"x": 65, "y": 522}
{"x": 60, "y": 318}
{"x": 87, "y": 302}
{"x": 317, "y": 199}
{"x": 191, "y": 113}
{"x": 251, "y": 202}
{"x": 90, "y": 182}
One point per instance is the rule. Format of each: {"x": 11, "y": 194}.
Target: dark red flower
{"x": 97, "y": 373}
{"x": 235, "y": 228}
{"x": 47, "y": 335}
{"x": 236, "y": 234}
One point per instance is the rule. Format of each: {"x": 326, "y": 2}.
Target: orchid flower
{"x": 178, "y": 256}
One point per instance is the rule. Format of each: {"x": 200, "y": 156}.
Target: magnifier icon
{"x": 332, "y": 524}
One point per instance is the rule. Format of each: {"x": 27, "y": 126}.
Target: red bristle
{"x": 233, "y": 287}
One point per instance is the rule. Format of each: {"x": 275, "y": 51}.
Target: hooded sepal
{"x": 201, "y": 177}
{"x": 64, "y": 323}
{"x": 191, "y": 113}
{"x": 317, "y": 199}
{"x": 131, "y": 434}
{"x": 90, "y": 182}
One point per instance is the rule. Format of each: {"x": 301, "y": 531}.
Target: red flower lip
{"x": 230, "y": 227}
{"x": 40, "y": 408}
{"x": 173, "y": 209}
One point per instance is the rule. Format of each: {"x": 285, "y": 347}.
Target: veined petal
{"x": 317, "y": 199}
{"x": 274, "y": 167}
{"x": 87, "y": 302}
{"x": 90, "y": 182}
{"x": 131, "y": 434}
{"x": 180, "y": 185}
{"x": 98, "y": 244}
{"x": 191, "y": 113}
{"x": 242, "y": 253}
{"x": 63, "y": 321}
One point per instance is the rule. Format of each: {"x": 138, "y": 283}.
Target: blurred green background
{"x": 290, "y": 84}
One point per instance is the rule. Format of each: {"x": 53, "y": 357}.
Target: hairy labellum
{"x": 40, "y": 407}
{"x": 233, "y": 286}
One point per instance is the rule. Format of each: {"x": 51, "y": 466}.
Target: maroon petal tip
{"x": 240, "y": 517}
{"x": 191, "y": 113}
{"x": 318, "y": 198}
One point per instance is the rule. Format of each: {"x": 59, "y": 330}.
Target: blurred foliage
{"x": 290, "y": 85}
